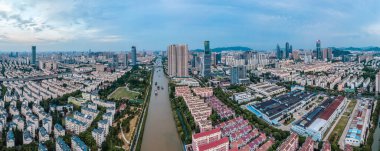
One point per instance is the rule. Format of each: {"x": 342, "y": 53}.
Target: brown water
{"x": 160, "y": 133}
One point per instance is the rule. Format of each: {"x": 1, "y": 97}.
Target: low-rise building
{"x": 274, "y": 109}
{"x": 308, "y": 145}
{"x": 210, "y": 140}
{"x": 359, "y": 125}
{"x": 290, "y": 144}
{"x": 316, "y": 122}
{"x": 242, "y": 97}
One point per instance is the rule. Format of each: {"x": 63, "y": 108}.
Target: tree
{"x": 87, "y": 138}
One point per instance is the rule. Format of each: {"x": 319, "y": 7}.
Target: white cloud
{"x": 32, "y": 21}
{"x": 373, "y": 29}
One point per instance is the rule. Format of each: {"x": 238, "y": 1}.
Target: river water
{"x": 160, "y": 133}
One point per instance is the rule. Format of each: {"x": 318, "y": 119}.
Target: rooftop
{"x": 79, "y": 143}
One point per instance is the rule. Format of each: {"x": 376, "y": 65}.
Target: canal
{"x": 160, "y": 132}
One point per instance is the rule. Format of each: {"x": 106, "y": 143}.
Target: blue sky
{"x": 103, "y": 25}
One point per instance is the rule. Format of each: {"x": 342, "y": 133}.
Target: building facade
{"x": 206, "y": 66}
{"x": 178, "y": 61}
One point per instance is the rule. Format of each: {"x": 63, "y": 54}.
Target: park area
{"x": 123, "y": 93}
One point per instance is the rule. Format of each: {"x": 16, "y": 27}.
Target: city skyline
{"x": 104, "y": 26}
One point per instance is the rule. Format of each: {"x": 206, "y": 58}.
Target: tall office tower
{"x": 237, "y": 73}
{"x": 178, "y": 61}
{"x": 278, "y": 52}
{"x": 213, "y": 58}
{"x": 134, "y": 56}
{"x": 286, "y": 51}
{"x": 329, "y": 54}
{"x": 126, "y": 59}
{"x": 34, "y": 55}
{"x": 206, "y": 70}
{"x": 377, "y": 82}
{"x": 194, "y": 60}
{"x": 324, "y": 54}
{"x": 319, "y": 51}
{"x": 115, "y": 60}
{"x": 290, "y": 51}
{"x": 218, "y": 58}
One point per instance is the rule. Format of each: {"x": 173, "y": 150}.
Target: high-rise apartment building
{"x": 125, "y": 59}
{"x": 377, "y": 82}
{"x": 194, "y": 60}
{"x": 238, "y": 73}
{"x": 178, "y": 60}
{"x": 218, "y": 58}
{"x": 34, "y": 55}
{"x": 134, "y": 56}
{"x": 286, "y": 51}
{"x": 206, "y": 66}
{"x": 278, "y": 52}
{"x": 327, "y": 54}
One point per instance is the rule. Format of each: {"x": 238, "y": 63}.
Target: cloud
{"x": 373, "y": 29}
{"x": 110, "y": 38}
{"x": 45, "y": 21}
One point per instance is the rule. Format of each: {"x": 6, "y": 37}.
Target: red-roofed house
{"x": 219, "y": 145}
{"x": 326, "y": 146}
{"x": 308, "y": 145}
{"x": 207, "y": 137}
{"x": 290, "y": 144}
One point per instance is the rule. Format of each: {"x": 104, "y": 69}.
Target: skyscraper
{"x": 193, "y": 60}
{"x": 34, "y": 55}
{"x": 278, "y": 52}
{"x": 134, "y": 56}
{"x": 178, "y": 61}
{"x": 237, "y": 73}
{"x": 290, "y": 51}
{"x": 115, "y": 61}
{"x": 286, "y": 51}
{"x": 329, "y": 54}
{"x": 377, "y": 82}
{"x": 126, "y": 59}
{"x": 206, "y": 69}
{"x": 319, "y": 51}
{"x": 218, "y": 58}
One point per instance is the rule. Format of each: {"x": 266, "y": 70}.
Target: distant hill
{"x": 338, "y": 53}
{"x": 220, "y": 49}
{"x": 370, "y": 48}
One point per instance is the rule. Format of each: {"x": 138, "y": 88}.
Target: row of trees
{"x": 184, "y": 120}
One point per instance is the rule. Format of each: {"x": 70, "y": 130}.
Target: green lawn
{"x": 123, "y": 93}
{"x": 350, "y": 108}
{"x": 339, "y": 128}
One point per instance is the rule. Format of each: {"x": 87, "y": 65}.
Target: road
{"x": 160, "y": 132}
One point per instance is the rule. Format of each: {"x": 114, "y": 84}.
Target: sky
{"x": 116, "y": 25}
